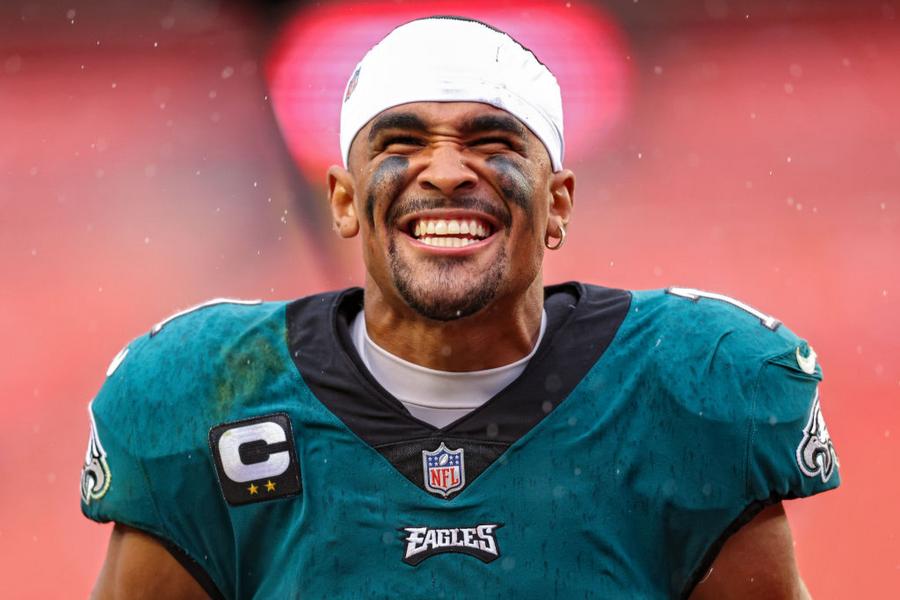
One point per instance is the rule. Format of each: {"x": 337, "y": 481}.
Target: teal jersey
{"x": 647, "y": 428}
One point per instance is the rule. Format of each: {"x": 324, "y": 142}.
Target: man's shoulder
{"x": 190, "y": 365}
{"x": 691, "y": 323}
{"x": 714, "y": 355}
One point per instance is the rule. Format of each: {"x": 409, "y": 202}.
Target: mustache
{"x": 400, "y": 209}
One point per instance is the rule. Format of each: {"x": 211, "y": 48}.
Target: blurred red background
{"x": 747, "y": 148}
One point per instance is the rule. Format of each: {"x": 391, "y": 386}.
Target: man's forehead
{"x": 464, "y": 117}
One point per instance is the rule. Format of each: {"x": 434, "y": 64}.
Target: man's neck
{"x": 498, "y": 335}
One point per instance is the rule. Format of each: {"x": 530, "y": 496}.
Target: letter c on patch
{"x": 230, "y": 444}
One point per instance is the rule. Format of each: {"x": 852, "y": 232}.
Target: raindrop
{"x": 552, "y": 383}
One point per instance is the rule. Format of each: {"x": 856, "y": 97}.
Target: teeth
{"x": 450, "y": 227}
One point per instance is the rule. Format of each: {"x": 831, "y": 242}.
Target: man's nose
{"x": 447, "y": 171}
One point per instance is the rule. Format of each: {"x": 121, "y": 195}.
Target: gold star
{"x": 252, "y": 489}
{"x": 270, "y": 486}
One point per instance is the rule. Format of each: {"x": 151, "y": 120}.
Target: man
{"x": 456, "y": 429}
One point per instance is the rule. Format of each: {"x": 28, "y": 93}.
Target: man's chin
{"x": 438, "y": 305}
{"x": 447, "y": 288}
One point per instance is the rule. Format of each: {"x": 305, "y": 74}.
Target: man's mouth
{"x": 449, "y": 233}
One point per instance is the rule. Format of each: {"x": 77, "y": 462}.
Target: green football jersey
{"x": 647, "y": 428}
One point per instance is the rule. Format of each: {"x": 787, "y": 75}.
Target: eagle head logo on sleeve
{"x": 815, "y": 454}
{"x": 95, "y": 475}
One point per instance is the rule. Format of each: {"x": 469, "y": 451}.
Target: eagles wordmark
{"x": 424, "y": 542}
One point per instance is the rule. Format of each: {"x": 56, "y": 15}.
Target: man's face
{"x": 452, "y": 201}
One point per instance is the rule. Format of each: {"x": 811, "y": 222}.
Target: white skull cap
{"x": 453, "y": 59}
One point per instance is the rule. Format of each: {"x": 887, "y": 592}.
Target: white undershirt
{"x": 436, "y": 397}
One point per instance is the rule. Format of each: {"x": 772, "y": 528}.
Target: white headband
{"x": 447, "y": 59}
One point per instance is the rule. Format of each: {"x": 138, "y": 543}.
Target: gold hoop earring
{"x": 557, "y": 245}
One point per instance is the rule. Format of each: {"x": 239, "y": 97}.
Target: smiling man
{"x": 455, "y": 429}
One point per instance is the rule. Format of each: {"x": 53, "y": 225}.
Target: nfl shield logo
{"x": 445, "y": 470}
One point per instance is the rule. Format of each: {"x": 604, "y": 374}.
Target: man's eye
{"x": 491, "y": 144}
{"x": 401, "y": 144}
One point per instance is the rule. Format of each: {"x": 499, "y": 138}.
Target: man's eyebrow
{"x": 485, "y": 123}
{"x": 407, "y": 121}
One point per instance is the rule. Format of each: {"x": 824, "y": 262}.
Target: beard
{"x": 449, "y": 291}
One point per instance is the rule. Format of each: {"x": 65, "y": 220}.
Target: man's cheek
{"x": 514, "y": 181}
{"x": 387, "y": 182}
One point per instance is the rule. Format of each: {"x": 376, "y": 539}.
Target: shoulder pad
{"x": 187, "y": 366}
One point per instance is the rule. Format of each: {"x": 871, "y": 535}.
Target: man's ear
{"x": 562, "y": 199}
{"x": 340, "y": 196}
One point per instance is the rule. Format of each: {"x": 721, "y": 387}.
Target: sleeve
{"x": 145, "y": 468}
{"x": 791, "y": 452}
{"x": 114, "y": 482}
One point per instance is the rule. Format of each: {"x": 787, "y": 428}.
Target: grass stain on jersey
{"x": 248, "y": 367}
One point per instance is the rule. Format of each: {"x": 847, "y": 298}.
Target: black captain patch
{"x": 255, "y": 459}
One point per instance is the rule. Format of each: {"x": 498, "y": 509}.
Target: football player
{"x": 455, "y": 429}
